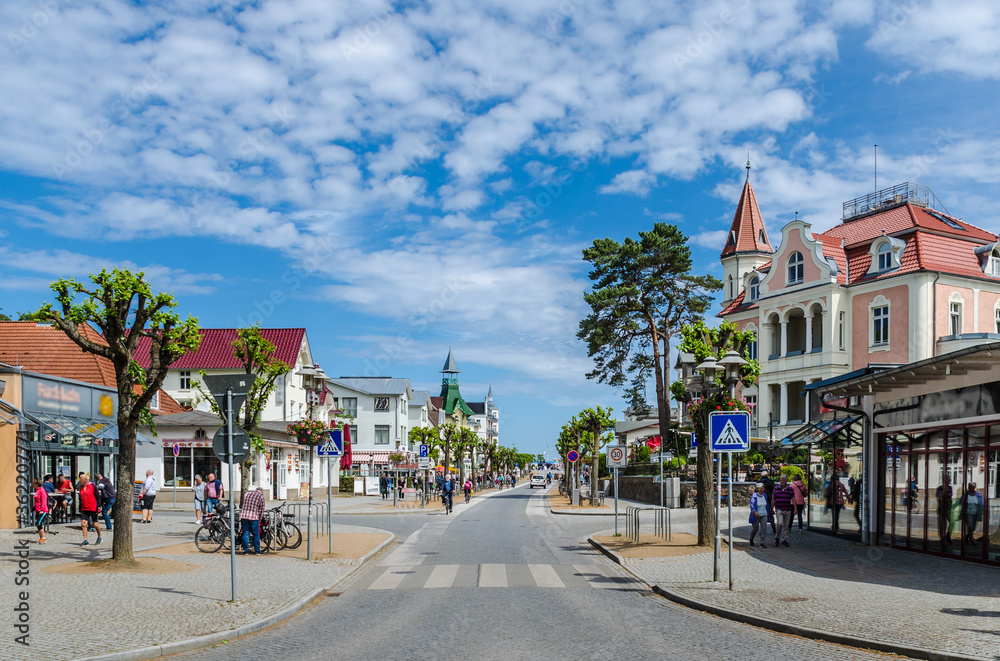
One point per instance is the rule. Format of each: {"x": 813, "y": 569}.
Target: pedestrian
{"x": 912, "y": 493}
{"x": 448, "y": 493}
{"x": 836, "y": 494}
{"x": 784, "y": 508}
{"x": 199, "y": 498}
{"x": 801, "y": 493}
{"x": 41, "y": 508}
{"x": 383, "y": 486}
{"x": 854, "y": 498}
{"x": 768, "y": 483}
{"x": 50, "y": 489}
{"x": 90, "y": 505}
{"x": 213, "y": 492}
{"x": 109, "y": 496}
{"x": 758, "y": 515}
{"x": 972, "y": 504}
{"x": 147, "y": 495}
{"x": 944, "y": 495}
{"x": 251, "y": 509}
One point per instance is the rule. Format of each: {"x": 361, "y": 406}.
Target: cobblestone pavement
{"x": 78, "y": 616}
{"x": 464, "y": 587}
{"x": 844, "y": 587}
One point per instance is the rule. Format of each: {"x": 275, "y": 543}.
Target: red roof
{"x": 47, "y": 350}
{"x": 747, "y": 233}
{"x": 216, "y": 349}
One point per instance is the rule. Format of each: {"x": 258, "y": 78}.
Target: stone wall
{"x": 641, "y": 488}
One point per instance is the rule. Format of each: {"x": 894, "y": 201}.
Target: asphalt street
{"x": 503, "y": 578}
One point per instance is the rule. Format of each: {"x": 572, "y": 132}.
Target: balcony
{"x": 887, "y": 198}
{"x": 948, "y": 343}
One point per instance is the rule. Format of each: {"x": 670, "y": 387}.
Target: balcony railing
{"x": 891, "y": 197}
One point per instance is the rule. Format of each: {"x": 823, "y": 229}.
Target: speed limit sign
{"x": 617, "y": 458}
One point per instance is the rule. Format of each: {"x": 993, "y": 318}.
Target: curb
{"x": 606, "y": 551}
{"x": 815, "y": 634}
{"x": 582, "y": 513}
{"x": 198, "y": 642}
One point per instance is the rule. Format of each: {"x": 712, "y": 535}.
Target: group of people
{"x": 970, "y": 507}
{"x": 96, "y": 498}
{"x": 777, "y": 505}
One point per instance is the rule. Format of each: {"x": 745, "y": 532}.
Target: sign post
{"x": 730, "y": 432}
{"x": 617, "y": 458}
{"x": 332, "y": 448}
{"x": 573, "y": 494}
{"x": 230, "y": 391}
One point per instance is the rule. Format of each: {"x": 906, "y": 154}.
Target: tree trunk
{"x": 245, "y": 473}
{"x": 595, "y": 467}
{"x": 706, "y": 488}
{"x": 121, "y": 541}
{"x": 662, "y": 392}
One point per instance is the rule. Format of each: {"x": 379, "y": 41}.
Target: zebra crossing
{"x": 543, "y": 576}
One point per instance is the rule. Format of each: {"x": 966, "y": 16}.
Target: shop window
{"x": 795, "y": 268}
{"x": 381, "y": 434}
{"x": 183, "y": 476}
{"x": 204, "y": 462}
{"x": 351, "y": 406}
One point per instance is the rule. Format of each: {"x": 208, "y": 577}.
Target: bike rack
{"x": 319, "y": 516}
{"x": 661, "y": 522}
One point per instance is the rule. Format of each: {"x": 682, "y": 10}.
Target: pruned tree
{"x": 450, "y": 433}
{"x": 256, "y": 355}
{"x": 569, "y": 439}
{"x": 642, "y": 295}
{"x": 123, "y": 306}
{"x": 595, "y": 422}
{"x": 702, "y": 341}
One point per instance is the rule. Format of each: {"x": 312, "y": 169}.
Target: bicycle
{"x": 447, "y": 499}
{"x": 468, "y": 496}
{"x": 213, "y": 534}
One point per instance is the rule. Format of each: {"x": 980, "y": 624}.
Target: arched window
{"x": 993, "y": 266}
{"x": 795, "y": 275}
{"x": 885, "y": 256}
{"x": 754, "y": 288}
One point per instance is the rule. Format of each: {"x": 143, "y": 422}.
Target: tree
{"x": 123, "y": 306}
{"x": 256, "y": 355}
{"x": 569, "y": 439}
{"x": 702, "y": 341}
{"x": 464, "y": 443}
{"x": 449, "y": 436}
{"x": 595, "y": 421}
{"x": 642, "y": 296}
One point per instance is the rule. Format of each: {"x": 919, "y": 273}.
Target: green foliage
{"x": 755, "y": 458}
{"x": 792, "y": 472}
{"x": 676, "y": 463}
{"x": 640, "y": 453}
{"x": 346, "y": 484}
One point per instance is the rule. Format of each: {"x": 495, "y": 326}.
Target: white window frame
{"x": 796, "y": 269}
{"x": 154, "y": 403}
{"x": 877, "y": 304}
{"x": 884, "y": 254}
{"x": 955, "y": 317}
{"x": 993, "y": 264}
{"x": 842, "y": 330}
{"x": 754, "y": 288}
{"x": 378, "y": 429}
{"x": 185, "y": 379}
{"x": 996, "y": 319}
{"x": 351, "y": 410}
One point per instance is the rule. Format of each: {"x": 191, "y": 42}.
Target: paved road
{"x": 502, "y": 579}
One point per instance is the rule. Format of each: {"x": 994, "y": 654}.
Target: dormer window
{"x": 754, "y": 288}
{"x": 795, "y": 272}
{"x": 993, "y": 265}
{"x": 732, "y": 238}
{"x": 884, "y": 256}
{"x": 762, "y": 238}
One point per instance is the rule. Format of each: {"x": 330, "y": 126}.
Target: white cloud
{"x": 712, "y": 239}
{"x": 633, "y": 181}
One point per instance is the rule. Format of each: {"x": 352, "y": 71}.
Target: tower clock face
{"x": 381, "y": 403}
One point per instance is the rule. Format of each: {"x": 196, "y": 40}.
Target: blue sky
{"x": 401, "y": 178}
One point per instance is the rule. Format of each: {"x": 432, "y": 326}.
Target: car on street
{"x": 537, "y": 480}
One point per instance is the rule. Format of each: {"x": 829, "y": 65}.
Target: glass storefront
{"x": 940, "y": 492}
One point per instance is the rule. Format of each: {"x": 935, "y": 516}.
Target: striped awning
{"x": 370, "y": 456}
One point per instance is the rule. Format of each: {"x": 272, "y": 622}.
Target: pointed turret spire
{"x": 747, "y": 233}
{"x": 450, "y": 366}
{"x": 489, "y": 394}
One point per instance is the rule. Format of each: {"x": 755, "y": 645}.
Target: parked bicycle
{"x": 214, "y": 531}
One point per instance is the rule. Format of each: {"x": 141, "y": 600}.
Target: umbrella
{"x": 345, "y": 459}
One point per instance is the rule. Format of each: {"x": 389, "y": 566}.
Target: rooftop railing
{"x": 906, "y": 192}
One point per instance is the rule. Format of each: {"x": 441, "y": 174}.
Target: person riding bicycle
{"x": 467, "y": 488}
{"x": 447, "y": 493}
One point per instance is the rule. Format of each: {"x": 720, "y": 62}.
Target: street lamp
{"x": 310, "y": 377}
{"x": 732, "y": 362}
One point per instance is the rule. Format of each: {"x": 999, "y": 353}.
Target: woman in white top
{"x": 199, "y": 498}
{"x": 758, "y": 515}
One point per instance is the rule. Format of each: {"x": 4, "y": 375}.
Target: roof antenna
{"x": 876, "y": 169}
{"x": 748, "y": 165}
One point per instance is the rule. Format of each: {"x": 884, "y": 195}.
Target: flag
{"x": 653, "y": 444}
{"x": 345, "y": 458}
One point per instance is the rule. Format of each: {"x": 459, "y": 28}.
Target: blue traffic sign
{"x": 729, "y": 431}
{"x": 694, "y": 441}
{"x": 334, "y": 447}
{"x": 425, "y": 451}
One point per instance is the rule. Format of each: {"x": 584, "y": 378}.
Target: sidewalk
{"x": 85, "y": 615}
{"x": 870, "y": 597}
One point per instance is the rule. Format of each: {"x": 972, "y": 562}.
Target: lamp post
{"x": 731, "y": 362}
{"x": 311, "y": 376}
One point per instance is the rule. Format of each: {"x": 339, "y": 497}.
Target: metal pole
{"x": 175, "y": 480}
{"x": 718, "y": 513}
{"x": 395, "y": 487}
{"x": 329, "y": 501}
{"x": 616, "y": 501}
{"x": 232, "y": 513}
{"x": 309, "y": 518}
{"x": 730, "y": 499}
{"x": 660, "y": 458}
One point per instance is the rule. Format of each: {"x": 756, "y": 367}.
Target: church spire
{"x": 747, "y": 233}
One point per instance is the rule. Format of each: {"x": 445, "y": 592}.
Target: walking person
{"x": 213, "y": 492}
{"x": 383, "y": 486}
{"x": 199, "y": 498}
{"x": 784, "y": 509}
{"x": 41, "y": 508}
{"x": 944, "y": 494}
{"x": 90, "y": 505}
{"x": 251, "y": 509}
{"x": 147, "y": 495}
{"x": 800, "y": 492}
{"x": 758, "y": 515}
{"x": 109, "y": 496}
{"x": 768, "y": 483}
{"x": 836, "y": 494}
{"x": 972, "y": 505}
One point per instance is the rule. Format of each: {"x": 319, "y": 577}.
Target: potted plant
{"x": 309, "y": 432}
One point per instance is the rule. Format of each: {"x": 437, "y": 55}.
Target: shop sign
{"x": 60, "y": 398}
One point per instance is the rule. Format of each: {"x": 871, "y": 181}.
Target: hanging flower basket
{"x": 309, "y": 432}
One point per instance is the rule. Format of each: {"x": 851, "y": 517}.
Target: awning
{"x": 371, "y": 456}
{"x": 840, "y": 431}
{"x": 79, "y": 432}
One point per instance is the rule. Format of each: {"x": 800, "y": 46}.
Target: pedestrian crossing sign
{"x": 334, "y": 447}
{"x": 729, "y": 431}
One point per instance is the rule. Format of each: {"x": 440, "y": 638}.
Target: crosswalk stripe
{"x": 389, "y": 579}
{"x": 545, "y": 576}
{"x": 492, "y": 576}
{"x": 443, "y": 576}
{"x": 595, "y": 576}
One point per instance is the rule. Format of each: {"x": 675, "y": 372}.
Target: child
{"x": 41, "y": 508}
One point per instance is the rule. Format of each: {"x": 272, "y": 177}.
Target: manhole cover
{"x": 793, "y": 599}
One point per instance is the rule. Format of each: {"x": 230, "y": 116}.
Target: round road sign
{"x": 177, "y": 449}
{"x": 572, "y": 456}
{"x": 616, "y": 454}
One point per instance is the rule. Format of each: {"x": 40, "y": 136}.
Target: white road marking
{"x": 493, "y": 576}
{"x": 545, "y": 576}
{"x": 443, "y": 576}
{"x": 391, "y": 578}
